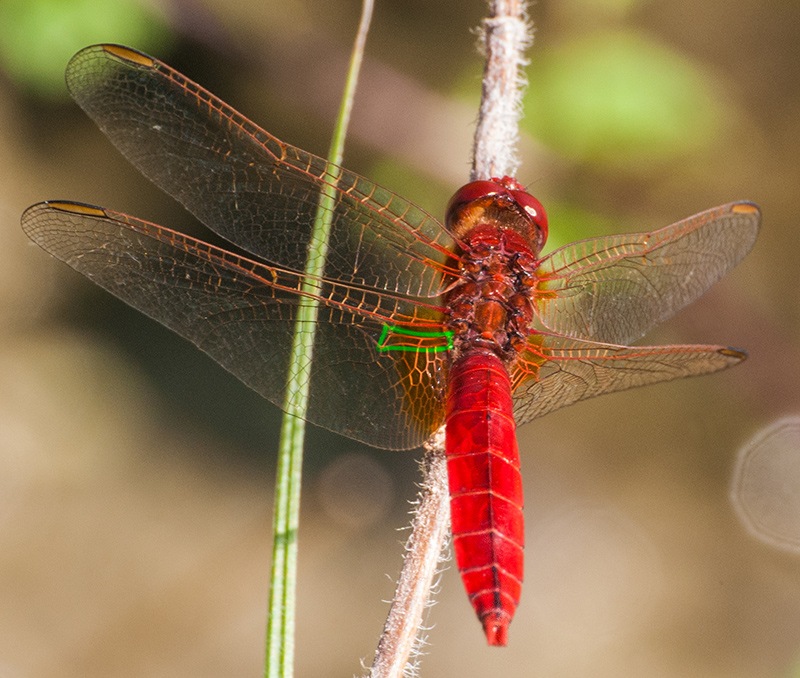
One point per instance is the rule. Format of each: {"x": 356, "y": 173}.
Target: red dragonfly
{"x": 421, "y": 324}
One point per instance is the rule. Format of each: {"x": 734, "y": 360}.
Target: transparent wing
{"x": 615, "y": 289}
{"x": 378, "y": 369}
{"x": 248, "y": 186}
{"x": 556, "y": 371}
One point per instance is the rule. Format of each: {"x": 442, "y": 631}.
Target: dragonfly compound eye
{"x": 534, "y": 209}
{"x": 468, "y": 195}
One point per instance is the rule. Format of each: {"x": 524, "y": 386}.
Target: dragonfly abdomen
{"x": 485, "y": 488}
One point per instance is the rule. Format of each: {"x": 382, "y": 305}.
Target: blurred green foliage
{"x": 397, "y": 176}
{"x": 618, "y": 98}
{"x": 37, "y": 37}
{"x": 572, "y": 222}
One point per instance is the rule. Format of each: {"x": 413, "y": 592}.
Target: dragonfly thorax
{"x": 491, "y": 307}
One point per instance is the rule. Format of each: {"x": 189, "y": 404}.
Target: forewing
{"x": 615, "y": 289}
{"x": 248, "y": 186}
{"x": 243, "y": 314}
{"x": 556, "y": 371}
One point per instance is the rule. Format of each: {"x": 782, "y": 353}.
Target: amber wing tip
{"x": 746, "y": 207}
{"x": 737, "y": 355}
{"x": 495, "y": 626}
{"x": 128, "y": 54}
{"x": 73, "y": 207}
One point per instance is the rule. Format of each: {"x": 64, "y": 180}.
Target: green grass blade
{"x": 279, "y": 661}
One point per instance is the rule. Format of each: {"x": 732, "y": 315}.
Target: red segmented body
{"x": 501, "y": 230}
{"x": 485, "y": 489}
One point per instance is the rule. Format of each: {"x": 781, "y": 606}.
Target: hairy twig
{"x": 505, "y": 36}
{"x": 429, "y": 529}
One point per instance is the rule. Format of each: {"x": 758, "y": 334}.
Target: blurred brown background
{"x": 135, "y": 475}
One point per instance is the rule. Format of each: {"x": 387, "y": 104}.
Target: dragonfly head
{"x": 500, "y": 202}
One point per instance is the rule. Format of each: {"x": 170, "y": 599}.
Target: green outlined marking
{"x": 394, "y": 338}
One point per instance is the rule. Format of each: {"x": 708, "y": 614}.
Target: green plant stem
{"x": 279, "y": 661}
